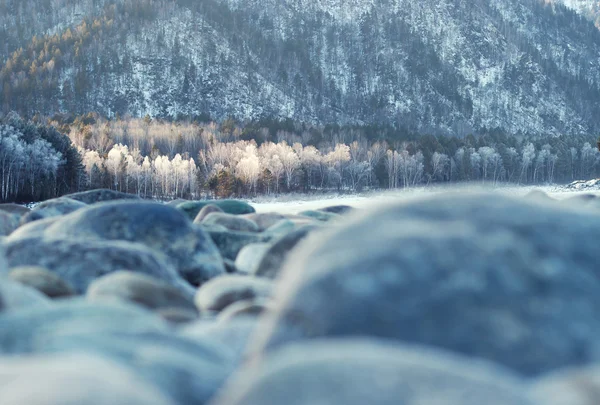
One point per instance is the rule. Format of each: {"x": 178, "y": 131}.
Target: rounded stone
{"x": 230, "y": 243}
{"x": 8, "y": 223}
{"x": 140, "y": 289}
{"x": 272, "y": 260}
{"x": 264, "y": 220}
{"x": 231, "y": 222}
{"x": 53, "y": 208}
{"x": 222, "y": 291}
{"x": 73, "y": 379}
{"x": 338, "y": 209}
{"x": 14, "y": 295}
{"x": 80, "y": 262}
{"x": 43, "y": 280}
{"x": 249, "y": 258}
{"x": 241, "y": 309}
{"x": 207, "y": 209}
{"x": 157, "y": 226}
{"x": 35, "y": 228}
{"x": 100, "y": 195}
{"x": 178, "y": 315}
{"x": 512, "y": 281}
{"x": 236, "y": 207}
{"x": 358, "y": 372}
{"x": 322, "y": 216}
{"x": 14, "y": 209}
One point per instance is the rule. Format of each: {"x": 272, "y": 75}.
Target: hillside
{"x": 432, "y": 66}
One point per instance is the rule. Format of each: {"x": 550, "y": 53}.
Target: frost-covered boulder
{"x": 205, "y": 211}
{"x": 53, "y": 208}
{"x": 236, "y": 207}
{"x": 512, "y": 281}
{"x": 280, "y": 228}
{"x": 14, "y": 295}
{"x": 218, "y": 293}
{"x": 73, "y": 379}
{"x": 80, "y": 262}
{"x": 264, "y": 220}
{"x": 572, "y": 386}
{"x": 100, "y": 195}
{"x": 8, "y": 223}
{"x": 272, "y": 261}
{"x": 43, "y": 280}
{"x": 358, "y": 372}
{"x": 249, "y": 258}
{"x": 159, "y": 227}
{"x": 230, "y": 243}
{"x": 140, "y": 289}
{"x": 28, "y": 330}
{"x": 177, "y": 315}
{"x": 231, "y": 222}
{"x": 190, "y": 371}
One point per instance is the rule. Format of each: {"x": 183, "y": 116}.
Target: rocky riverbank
{"x": 448, "y": 298}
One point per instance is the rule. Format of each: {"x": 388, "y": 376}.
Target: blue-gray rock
{"x": 230, "y": 243}
{"x": 35, "y": 228}
{"x": 280, "y": 228}
{"x": 43, "y": 280}
{"x": 322, "y": 216}
{"x": 234, "y": 334}
{"x": 140, "y": 289}
{"x": 15, "y": 209}
{"x": 218, "y": 293}
{"x": 572, "y": 386}
{"x": 236, "y": 207}
{"x": 207, "y": 209}
{"x": 80, "y": 262}
{"x": 272, "y": 260}
{"x": 14, "y": 295}
{"x": 264, "y": 220}
{"x": 190, "y": 371}
{"x": 8, "y": 223}
{"x": 177, "y": 315}
{"x": 28, "y": 330}
{"x": 73, "y": 379}
{"x": 52, "y": 208}
{"x": 512, "y": 281}
{"x": 230, "y": 221}
{"x": 358, "y": 372}
{"x": 160, "y": 227}
{"x": 338, "y": 209}
{"x": 249, "y": 257}
{"x": 100, "y": 195}
{"x": 243, "y": 309}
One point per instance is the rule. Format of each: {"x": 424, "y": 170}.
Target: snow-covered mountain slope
{"x": 444, "y": 66}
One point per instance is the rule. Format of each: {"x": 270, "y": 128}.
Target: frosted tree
{"x": 290, "y": 161}
{"x": 528, "y": 156}
{"x": 337, "y": 161}
{"x": 249, "y": 168}
{"x": 440, "y": 164}
{"x": 116, "y": 161}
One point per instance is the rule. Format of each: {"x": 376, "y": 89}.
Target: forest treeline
{"x": 193, "y": 159}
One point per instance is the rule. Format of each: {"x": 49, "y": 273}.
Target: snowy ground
{"x": 296, "y": 203}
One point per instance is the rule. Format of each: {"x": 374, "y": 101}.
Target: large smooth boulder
{"x": 80, "y": 262}
{"x": 231, "y": 222}
{"x": 35, "y": 228}
{"x": 220, "y": 292}
{"x": 190, "y": 371}
{"x": 43, "y": 280}
{"x": 338, "y": 209}
{"x": 8, "y": 223}
{"x": 230, "y": 243}
{"x": 264, "y": 220}
{"x": 101, "y": 195}
{"x": 28, "y": 330}
{"x": 358, "y": 372}
{"x": 140, "y": 289}
{"x": 73, "y": 379}
{"x": 14, "y": 295}
{"x": 512, "y": 281}
{"x": 157, "y": 226}
{"x": 249, "y": 258}
{"x": 322, "y": 216}
{"x": 236, "y": 207}
{"x": 272, "y": 260}
{"x": 573, "y": 386}
{"x": 205, "y": 211}
{"x": 15, "y": 209}
{"x": 53, "y": 208}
